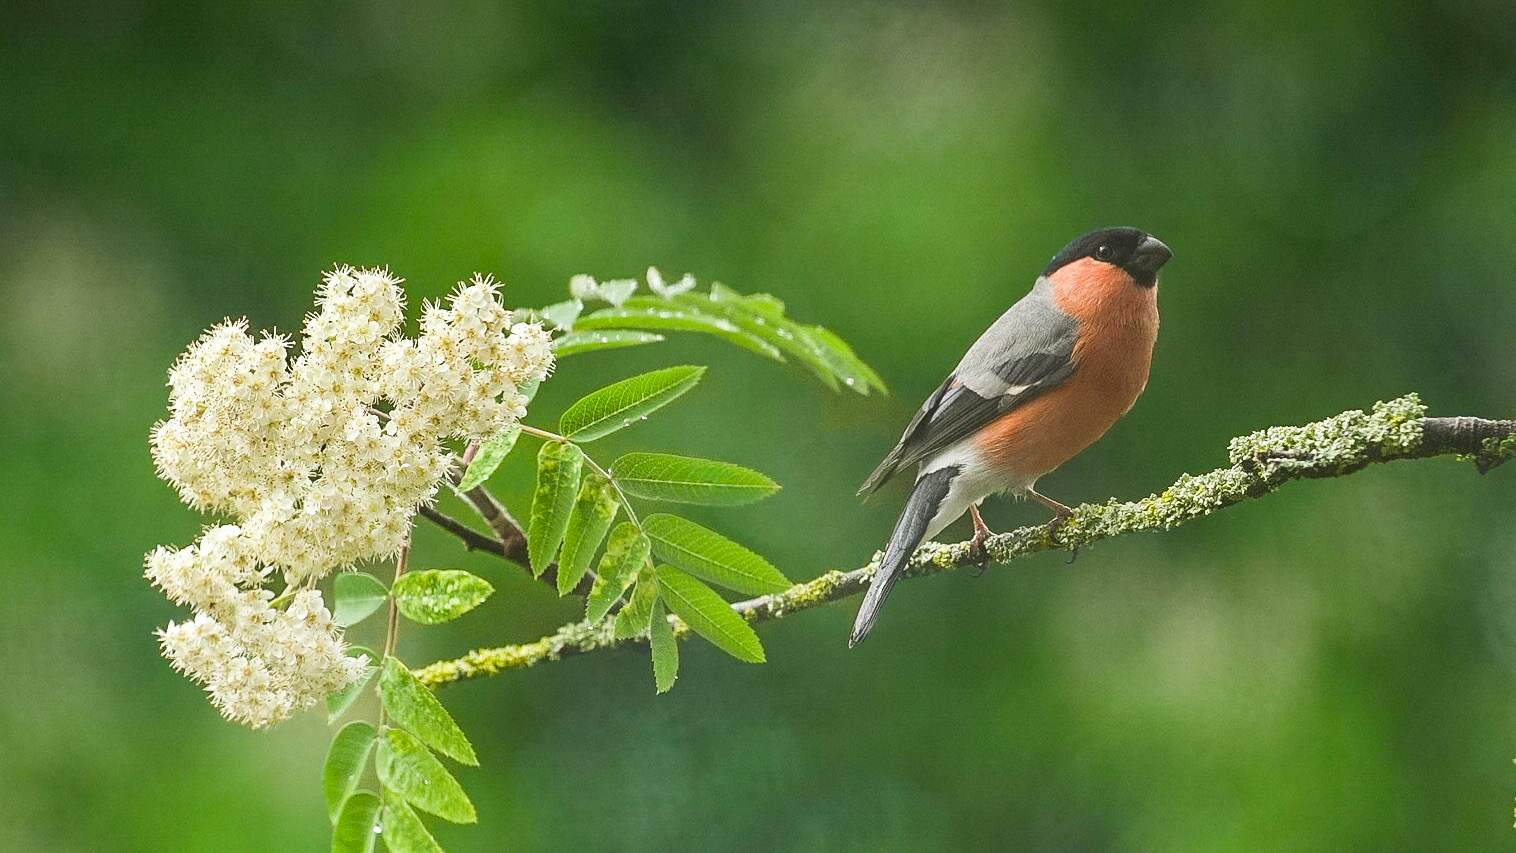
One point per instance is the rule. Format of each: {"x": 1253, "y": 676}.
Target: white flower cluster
{"x": 322, "y": 463}
{"x": 259, "y": 663}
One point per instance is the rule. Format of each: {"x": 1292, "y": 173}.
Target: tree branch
{"x": 509, "y": 541}
{"x": 472, "y": 539}
{"x": 507, "y": 529}
{"x": 1260, "y": 463}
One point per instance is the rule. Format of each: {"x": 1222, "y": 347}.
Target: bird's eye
{"x": 1104, "y": 253}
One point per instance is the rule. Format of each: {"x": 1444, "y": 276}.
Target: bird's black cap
{"x": 1132, "y": 249}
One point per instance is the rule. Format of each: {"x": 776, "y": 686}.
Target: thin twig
{"x": 510, "y": 537}
{"x": 1260, "y": 463}
{"x": 472, "y": 539}
{"x": 507, "y": 530}
{"x": 394, "y": 621}
{"x": 509, "y": 533}
{"x": 509, "y": 541}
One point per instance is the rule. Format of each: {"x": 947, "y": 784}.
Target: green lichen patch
{"x": 800, "y": 596}
{"x": 1346, "y": 440}
{"x": 1498, "y": 448}
{"x": 1189, "y": 497}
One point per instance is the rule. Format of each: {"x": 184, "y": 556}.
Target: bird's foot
{"x": 1061, "y": 514}
{"x": 979, "y": 554}
{"x": 1056, "y": 524}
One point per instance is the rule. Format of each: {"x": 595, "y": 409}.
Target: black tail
{"x": 910, "y": 529}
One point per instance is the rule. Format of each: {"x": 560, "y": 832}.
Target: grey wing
{"x": 1027, "y": 351}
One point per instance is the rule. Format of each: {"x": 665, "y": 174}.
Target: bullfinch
{"x": 1042, "y": 384}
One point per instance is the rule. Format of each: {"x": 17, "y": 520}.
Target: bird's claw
{"x": 978, "y": 554}
{"x": 1056, "y": 524}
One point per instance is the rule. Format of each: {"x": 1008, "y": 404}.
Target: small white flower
{"x": 656, "y": 284}
{"x": 563, "y": 314}
{"x": 618, "y": 291}
{"x": 584, "y": 287}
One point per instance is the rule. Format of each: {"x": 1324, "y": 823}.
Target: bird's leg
{"x": 1062, "y": 512}
{"x": 976, "y": 545}
{"x": 1061, "y": 515}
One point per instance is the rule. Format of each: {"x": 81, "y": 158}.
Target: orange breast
{"x": 1118, "y": 325}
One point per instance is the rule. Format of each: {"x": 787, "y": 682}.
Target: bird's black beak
{"x": 1151, "y": 254}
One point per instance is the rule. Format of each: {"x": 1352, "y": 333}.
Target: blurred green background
{"x": 1327, "y": 669}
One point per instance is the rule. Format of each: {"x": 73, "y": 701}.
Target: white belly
{"x": 975, "y": 481}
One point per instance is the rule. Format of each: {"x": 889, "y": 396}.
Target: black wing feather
{"x": 954, "y": 412}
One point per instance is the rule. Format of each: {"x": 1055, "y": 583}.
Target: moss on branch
{"x": 1260, "y": 463}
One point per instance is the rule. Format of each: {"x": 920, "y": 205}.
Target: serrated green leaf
{"x": 407, "y": 768}
{"x": 491, "y": 453}
{"x": 855, "y": 372}
{"x": 357, "y": 824}
{"x": 755, "y": 322}
{"x": 358, "y": 595}
{"x": 594, "y": 510}
{"x": 625, "y": 554}
{"x": 709, "y": 615}
{"x": 404, "y": 832}
{"x": 624, "y": 403}
{"x": 761, "y": 303}
{"x": 586, "y": 341}
{"x": 563, "y": 314}
{"x": 345, "y": 761}
{"x": 819, "y": 349}
{"x": 665, "y": 649}
{"x": 688, "y": 479}
{"x": 759, "y": 320}
{"x": 707, "y": 554}
{"x": 633, "y": 617}
{"x": 644, "y": 312}
{"x": 434, "y": 596}
{"x": 339, "y": 701}
{"x": 558, "y": 465}
{"x": 413, "y": 706}
{"x": 834, "y": 353}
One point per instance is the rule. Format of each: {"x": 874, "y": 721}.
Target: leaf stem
{"x": 470, "y": 452}
{"x": 542, "y": 433}
{"x": 394, "y": 621}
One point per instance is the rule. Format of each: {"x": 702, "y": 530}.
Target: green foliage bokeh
{"x": 1327, "y": 669}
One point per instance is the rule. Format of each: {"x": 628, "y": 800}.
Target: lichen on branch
{"x": 1260, "y": 463}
